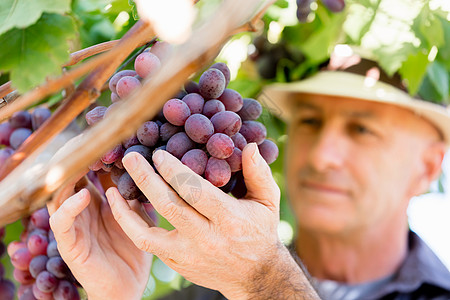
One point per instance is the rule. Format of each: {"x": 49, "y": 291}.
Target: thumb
{"x": 258, "y": 178}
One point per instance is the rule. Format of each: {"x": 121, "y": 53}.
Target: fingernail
{"x": 130, "y": 161}
{"x": 158, "y": 158}
{"x": 255, "y": 156}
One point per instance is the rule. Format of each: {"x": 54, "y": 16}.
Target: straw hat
{"x": 354, "y": 78}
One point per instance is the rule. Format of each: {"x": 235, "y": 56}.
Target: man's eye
{"x": 310, "y": 122}
{"x": 360, "y": 129}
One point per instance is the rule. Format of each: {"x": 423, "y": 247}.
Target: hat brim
{"x": 279, "y": 97}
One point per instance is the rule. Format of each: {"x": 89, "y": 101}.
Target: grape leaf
{"x": 23, "y": 13}
{"x": 413, "y": 70}
{"x": 439, "y": 77}
{"x": 33, "y": 53}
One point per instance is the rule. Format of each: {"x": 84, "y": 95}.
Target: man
{"x": 358, "y": 150}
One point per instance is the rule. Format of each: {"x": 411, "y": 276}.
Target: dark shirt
{"x": 422, "y": 276}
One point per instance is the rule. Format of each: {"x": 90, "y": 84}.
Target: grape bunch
{"x": 304, "y": 7}
{"x": 38, "y": 267}
{"x": 7, "y": 288}
{"x": 206, "y": 125}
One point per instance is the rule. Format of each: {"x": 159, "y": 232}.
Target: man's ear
{"x": 431, "y": 162}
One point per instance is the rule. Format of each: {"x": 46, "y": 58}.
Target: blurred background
{"x": 411, "y": 37}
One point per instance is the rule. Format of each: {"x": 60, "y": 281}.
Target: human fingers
{"x": 207, "y": 199}
{"x": 258, "y": 178}
{"x": 74, "y": 185}
{"x": 156, "y": 240}
{"x": 62, "y": 220}
{"x": 160, "y": 194}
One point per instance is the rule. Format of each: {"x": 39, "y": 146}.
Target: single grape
{"x": 14, "y": 246}
{"x": 191, "y": 87}
{"x": 57, "y": 267}
{"x": 251, "y": 110}
{"x": 146, "y": 64}
{"x": 5, "y": 133}
{"x": 232, "y": 100}
{"x": 240, "y": 190}
{"x": 167, "y": 130}
{"x": 253, "y": 131}
{"x": 196, "y": 160}
{"x": 39, "y": 219}
{"x": 41, "y": 295}
{"x": 303, "y": 10}
{"x": 199, "y": 128}
{"x": 220, "y": 146}
{"x": 239, "y": 141}
{"x": 334, "y": 5}
{"x": 96, "y": 166}
{"x": 5, "y": 153}
{"x": 217, "y": 171}
{"x": 268, "y": 150}
{"x": 95, "y": 115}
{"x": 52, "y": 249}
{"x": 230, "y": 185}
{"x": 127, "y": 85}
{"x": 37, "y": 244}
{"x": 213, "y": 107}
{"x": 195, "y": 102}
{"x": 20, "y": 119}
{"x": 112, "y": 155}
{"x": 176, "y": 111}
{"x": 222, "y": 67}
{"x": 22, "y": 276}
{"x": 227, "y": 122}
{"x": 211, "y": 84}
{"x": 39, "y": 116}
{"x": 131, "y": 141}
{"x": 18, "y": 137}
{"x": 148, "y": 134}
{"x": 21, "y": 259}
{"x": 119, "y": 75}
{"x": 146, "y": 152}
{"x": 7, "y": 289}
{"x": 235, "y": 160}
{"x": 161, "y": 49}
{"x": 115, "y": 174}
{"x": 114, "y": 98}
{"x": 37, "y": 265}
{"x": 179, "y": 144}
{"x": 65, "y": 291}
{"x": 127, "y": 188}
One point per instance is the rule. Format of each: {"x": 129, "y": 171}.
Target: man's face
{"x": 352, "y": 164}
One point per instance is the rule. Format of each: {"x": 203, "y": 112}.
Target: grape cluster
{"x": 39, "y": 268}
{"x": 18, "y": 128}
{"x": 304, "y": 7}
{"x": 206, "y": 125}
{"x": 7, "y": 288}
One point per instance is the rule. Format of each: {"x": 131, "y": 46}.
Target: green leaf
{"x": 23, "y": 13}
{"x": 413, "y": 70}
{"x": 439, "y": 77}
{"x": 38, "y": 51}
{"x": 428, "y": 27}
{"x": 392, "y": 58}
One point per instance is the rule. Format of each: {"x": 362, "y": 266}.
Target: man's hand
{"x": 219, "y": 242}
{"x": 100, "y": 255}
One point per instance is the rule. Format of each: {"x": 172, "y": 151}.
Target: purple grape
{"x": 239, "y": 190}
{"x": 131, "y": 141}
{"x": 65, "y": 291}
{"x": 127, "y": 188}
{"x": 232, "y": 100}
{"x": 222, "y": 67}
{"x": 239, "y": 141}
{"x": 110, "y": 110}
{"x": 217, "y": 171}
{"x": 226, "y": 122}
{"x": 21, "y": 259}
{"x": 196, "y": 160}
{"x": 211, "y": 84}
{"x": 95, "y": 115}
{"x": 167, "y": 130}
{"x": 148, "y": 134}
{"x": 5, "y": 133}
{"x": 57, "y": 267}
{"x": 195, "y": 102}
{"x": 19, "y": 136}
{"x": 7, "y": 289}
{"x": 127, "y": 85}
{"x": 220, "y": 146}
{"x": 39, "y": 294}
{"x": 146, "y": 152}
{"x": 2, "y": 271}
{"x": 191, "y": 87}
{"x": 303, "y": 10}
{"x": 115, "y": 98}
{"x": 179, "y": 144}
{"x": 96, "y": 166}
{"x": 119, "y": 75}
{"x": 21, "y": 119}
{"x": 235, "y": 160}
{"x": 38, "y": 264}
{"x": 253, "y": 132}
{"x": 5, "y": 153}
{"x": 213, "y": 107}
{"x": 334, "y": 5}
{"x": 230, "y": 185}
{"x": 22, "y": 276}
{"x": 26, "y": 292}
{"x": 112, "y": 155}
{"x": 199, "y": 128}
{"x": 251, "y": 110}
{"x": 52, "y": 249}
{"x": 37, "y": 244}
{"x": 39, "y": 116}
{"x": 39, "y": 219}
{"x": 176, "y": 111}
{"x": 115, "y": 174}
{"x": 268, "y": 150}
{"x": 146, "y": 64}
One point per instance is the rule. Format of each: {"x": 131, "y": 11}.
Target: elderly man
{"x": 359, "y": 148}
